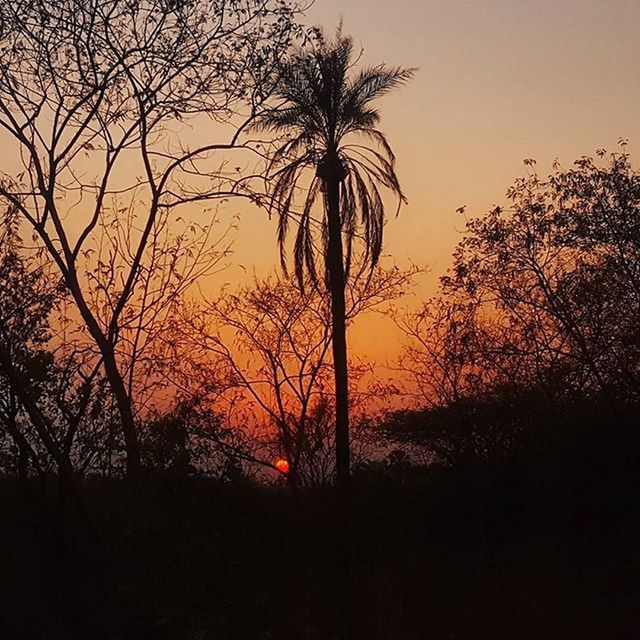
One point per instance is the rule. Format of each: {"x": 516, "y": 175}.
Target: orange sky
{"x": 498, "y": 81}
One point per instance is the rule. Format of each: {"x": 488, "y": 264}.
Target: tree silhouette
{"x": 333, "y": 153}
{"x": 92, "y": 95}
{"x": 26, "y": 300}
{"x": 556, "y": 271}
{"x": 259, "y": 356}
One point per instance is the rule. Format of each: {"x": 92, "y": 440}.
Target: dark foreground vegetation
{"x": 182, "y": 461}
{"x": 539, "y": 543}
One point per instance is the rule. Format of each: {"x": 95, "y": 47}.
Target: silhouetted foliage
{"x": 323, "y": 112}
{"x": 26, "y": 300}
{"x": 541, "y": 295}
{"x": 541, "y": 543}
{"x": 165, "y": 445}
{"x": 557, "y": 275}
{"x": 477, "y": 429}
{"x": 502, "y": 499}
{"x": 95, "y": 96}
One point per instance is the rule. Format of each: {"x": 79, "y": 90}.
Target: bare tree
{"x": 261, "y": 358}
{"x": 438, "y": 356}
{"x": 98, "y": 99}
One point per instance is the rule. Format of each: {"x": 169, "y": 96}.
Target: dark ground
{"x": 540, "y": 546}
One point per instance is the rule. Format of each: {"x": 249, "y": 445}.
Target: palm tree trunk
{"x": 335, "y": 266}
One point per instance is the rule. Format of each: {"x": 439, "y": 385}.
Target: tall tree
{"x": 97, "y": 101}
{"x": 333, "y": 153}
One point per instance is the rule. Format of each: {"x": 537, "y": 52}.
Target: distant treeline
{"x": 537, "y": 322}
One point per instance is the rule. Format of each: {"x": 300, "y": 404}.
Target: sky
{"x": 498, "y": 81}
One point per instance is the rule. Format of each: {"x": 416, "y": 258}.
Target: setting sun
{"x": 282, "y": 465}
{"x": 319, "y": 319}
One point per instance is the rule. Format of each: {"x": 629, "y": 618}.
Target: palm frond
{"x": 321, "y": 107}
{"x": 374, "y": 82}
{"x": 380, "y": 139}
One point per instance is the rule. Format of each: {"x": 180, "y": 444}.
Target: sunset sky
{"x": 499, "y": 81}
{"x": 244, "y": 395}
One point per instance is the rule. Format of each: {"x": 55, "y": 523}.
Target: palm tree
{"x": 334, "y": 153}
